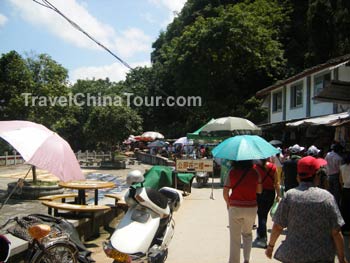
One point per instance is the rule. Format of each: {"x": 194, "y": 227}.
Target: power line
{"x": 47, "y": 4}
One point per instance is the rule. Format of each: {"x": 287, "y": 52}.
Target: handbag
{"x": 274, "y": 208}
{"x": 275, "y": 203}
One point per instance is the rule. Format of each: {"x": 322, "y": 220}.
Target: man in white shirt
{"x": 334, "y": 161}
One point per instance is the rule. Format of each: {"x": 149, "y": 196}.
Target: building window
{"x": 296, "y": 95}
{"x": 277, "y": 101}
{"x": 319, "y": 83}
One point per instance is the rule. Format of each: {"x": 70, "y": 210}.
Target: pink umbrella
{"x": 152, "y": 135}
{"x": 42, "y": 148}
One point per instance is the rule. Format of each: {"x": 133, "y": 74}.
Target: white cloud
{"x": 3, "y": 20}
{"x": 103, "y": 33}
{"x": 132, "y": 40}
{"x": 171, "y": 5}
{"x": 115, "y": 72}
{"x": 149, "y": 18}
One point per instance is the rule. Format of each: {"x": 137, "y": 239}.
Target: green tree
{"x": 50, "y": 85}
{"x": 225, "y": 55}
{"x": 108, "y": 126}
{"x": 105, "y": 126}
{"x": 15, "y": 79}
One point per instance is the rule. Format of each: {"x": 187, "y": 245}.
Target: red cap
{"x": 320, "y": 162}
{"x": 308, "y": 166}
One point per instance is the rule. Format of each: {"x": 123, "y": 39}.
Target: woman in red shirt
{"x": 239, "y": 193}
{"x": 271, "y": 189}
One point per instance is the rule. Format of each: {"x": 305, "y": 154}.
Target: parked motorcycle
{"x": 145, "y": 231}
{"x": 202, "y": 178}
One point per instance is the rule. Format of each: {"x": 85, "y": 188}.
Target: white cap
{"x": 296, "y": 148}
{"x": 313, "y": 150}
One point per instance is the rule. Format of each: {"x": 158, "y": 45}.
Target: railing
{"x": 93, "y": 155}
{"x": 153, "y": 159}
{"x": 14, "y": 159}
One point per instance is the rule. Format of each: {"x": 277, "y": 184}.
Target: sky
{"x": 126, "y": 27}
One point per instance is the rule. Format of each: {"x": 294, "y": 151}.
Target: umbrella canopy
{"x": 230, "y": 126}
{"x": 42, "y": 148}
{"x": 195, "y": 135}
{"x": 244, "y": 147}
{"x": 152, "y": 135}
{"x": 157, "y": 143}
{"x": 184, "y": 141}
{"x": 275, "y": 142}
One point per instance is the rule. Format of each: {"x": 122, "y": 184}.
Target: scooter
{"x": 202, "y": 178}
{"x": 145, "y": 231}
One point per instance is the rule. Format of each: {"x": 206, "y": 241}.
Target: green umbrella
{"x": 230, "y": 126}
{"x": 195, "y": 135}
{"x": 244, "y": 147}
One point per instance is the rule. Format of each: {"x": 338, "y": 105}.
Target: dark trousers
{"x": 265, "y": 201}
{"x": 345, "y": 208}
{"x": 334, "y": 186}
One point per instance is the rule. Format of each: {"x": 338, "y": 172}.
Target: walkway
{"x": 201, "y": 230}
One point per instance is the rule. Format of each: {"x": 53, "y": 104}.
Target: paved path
{"x": 201, "y": 230}
{"x": 201, "y": 227}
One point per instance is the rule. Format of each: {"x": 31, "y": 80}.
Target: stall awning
{"x": 335, "y": 91}
{"x": 322, "y": 120}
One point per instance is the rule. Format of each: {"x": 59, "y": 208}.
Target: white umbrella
{"x": 230, "y": 126}
{"x": 184, "y": 141}
{"x": 42, "y": 148}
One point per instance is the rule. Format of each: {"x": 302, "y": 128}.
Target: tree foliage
{"x": 103, "y": 120}
{"x": 221, "y": 50}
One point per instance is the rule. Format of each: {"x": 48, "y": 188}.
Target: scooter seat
{"x": 174, "y": 197}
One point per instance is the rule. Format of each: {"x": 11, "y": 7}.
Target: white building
{"x": 293, "y": 98}
{"x": 317, "y": 96}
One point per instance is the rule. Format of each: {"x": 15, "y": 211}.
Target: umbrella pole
{"x": 212, "y": 187}
{"x": 19, "y": 184}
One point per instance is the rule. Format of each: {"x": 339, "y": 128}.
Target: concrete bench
{"x": 76, "y": 211}
{"x": 117, "y": 198}
{"x": 60, "y": 196}
{"x": 118, "y": 202}
{"x": 75, "y": 207}
{"x": 63, "y": 198}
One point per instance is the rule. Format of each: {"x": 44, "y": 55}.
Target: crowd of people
{"x": 179, "y": 151}
{"x": 312, "y": 189}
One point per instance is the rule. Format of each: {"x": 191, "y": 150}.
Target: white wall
{"x": 278, "y": 115}
{"x": 316, "y": 109}
{"x": 320, "y": 108}
{"x": 298, "y": 112}
{"x": 344, "y": 73}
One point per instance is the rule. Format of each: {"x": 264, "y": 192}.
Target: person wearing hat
{"x": 290, "y": 167}
{"x": 312, "y": 218}
{"x": 322, "y": 172}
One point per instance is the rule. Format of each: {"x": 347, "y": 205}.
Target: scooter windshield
{"x": 140, "y": 215}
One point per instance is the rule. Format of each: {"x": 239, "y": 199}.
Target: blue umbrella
{"x": 157, "y": 143}
{"x": 244, "y": 147}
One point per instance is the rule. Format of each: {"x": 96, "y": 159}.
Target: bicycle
{"x": 49, "y": 245}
